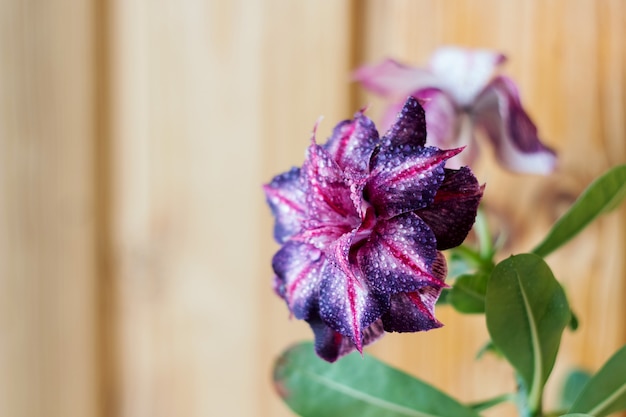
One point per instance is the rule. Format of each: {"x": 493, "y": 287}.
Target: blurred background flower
{"x": 463, "y": 94}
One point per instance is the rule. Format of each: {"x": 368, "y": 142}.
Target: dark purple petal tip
{"x": 453, "y": 211}
{"x": 410, "y": 125}
{"x": 412, "y": 312}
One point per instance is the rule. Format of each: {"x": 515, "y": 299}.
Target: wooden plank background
{"x": 135, "y": 245}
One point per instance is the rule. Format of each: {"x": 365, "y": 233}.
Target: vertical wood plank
{"x": 209, "y": 100}
{"x": 568, "y": 58}
{"x": 48, "y": 256}
{"x": 185, "y": 130}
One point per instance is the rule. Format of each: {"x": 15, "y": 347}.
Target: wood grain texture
{"x": 196, "y": 131}
{"x": 209, "y": 100}
{"x": 185, "y": 172}
{"x": 48, "y": 269}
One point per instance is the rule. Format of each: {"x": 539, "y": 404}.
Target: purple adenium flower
{"x": 362, "y": 224}
{"x": 461, "y": 93}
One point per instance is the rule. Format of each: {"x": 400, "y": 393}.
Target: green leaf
{"x": 468, "y": 293}
{"x": 492, "y": 402}
{"x": 527, "y": 311}
{"x": 604, "y": 194}
{"x": 461, "y": 261}
{"x": 577, "y": 415}
{"x": 573, "y": 322}
{"x": 356, "y": 386}
{"x": 574, "y": 383}
{"x": 605, "y": 393}
{"x": 488, "y": 347}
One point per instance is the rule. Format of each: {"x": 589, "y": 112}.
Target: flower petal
{"x": 412, "y": 312}
{"x": 286, "y": 199}
{"x": 464, "y": 73}
{"x": 330, "y": 345}
{"x": 297, "y": 267}
{"x": 453, "y": 211}
{"x": 409, "y": 127}
{"x": 405, "y": 178}
{"x": 330, "y": 208}
{"x": 352, "y": 143}
{"x": 346, "y": 303}
{"x": 415, "y": 311}
{"x": 448, "y": 126}
{"x": 400, "y": 256}
{"x": 499, "y": 111}
{"x": 392, "y": 79}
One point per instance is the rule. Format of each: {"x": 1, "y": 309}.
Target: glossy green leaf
{"x": 356, "y": 386}
{"x": 604, "y": 194}
{"x": 527, "y": 311}
{"x": 468, "y": 293}
{"x": 574, "y": 384}
{"x": 605, "y": 393}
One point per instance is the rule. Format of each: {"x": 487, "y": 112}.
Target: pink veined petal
{"x": 405, "y": 178}
{"x": 415, "y": 311}
{"x": 400, "y": 256}
{"x": 330, "y": 345}
{"x": 331, "y": 212}
{"x": 464, "y": 73}
{"x": 287, "y": 201}
{"x": 297, "y": 267}
{"x": 392, "y": 79}
{"x": 514, "y": 136}
{"x": 412, "y": 312}
{"x": 352, "y": 143}
{"x": 346, "y": 304}
{"x": 453, "y": 211}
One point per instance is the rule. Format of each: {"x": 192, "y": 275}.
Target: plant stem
{"x": 485, "y": 244}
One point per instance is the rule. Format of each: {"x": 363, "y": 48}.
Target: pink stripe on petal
{"x": 412, "y": 312}
{"x": 324, "y": 184}
{"x": 352, "y": 143}
{"x": 330, "y": 345}
{"x": 405, "y": 179}
{"x": 401, "y": 256}
{"x": 346, "y": 304}
{"x": 297, "y": 267}
{"x": 286, "y": 199}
